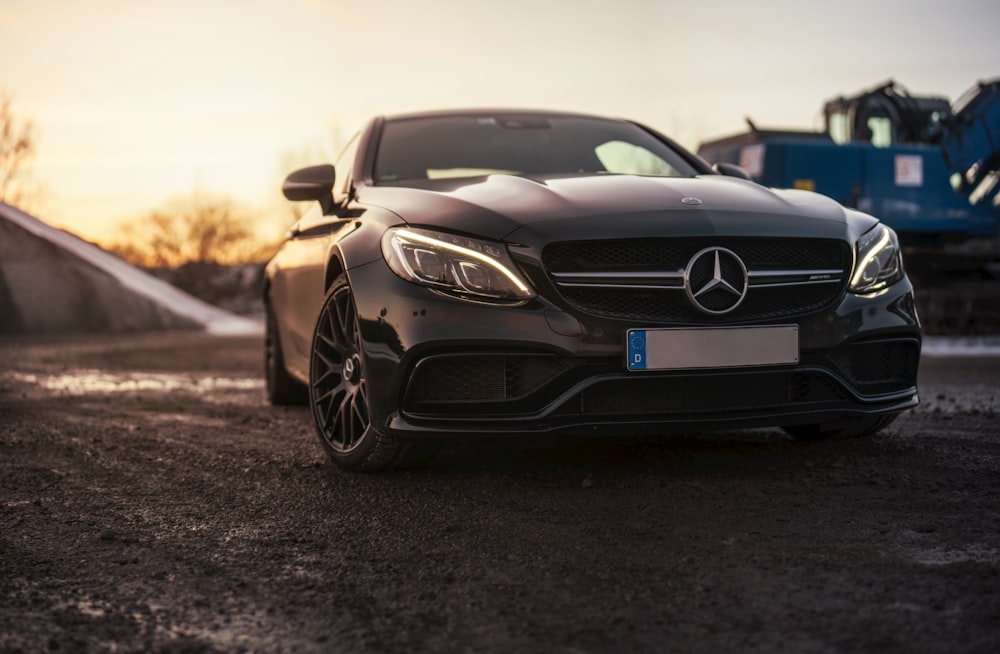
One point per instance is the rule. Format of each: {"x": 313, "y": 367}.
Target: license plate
{"x": 724, "y": 347}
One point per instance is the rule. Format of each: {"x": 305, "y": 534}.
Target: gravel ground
{"x": 152, "y": 502}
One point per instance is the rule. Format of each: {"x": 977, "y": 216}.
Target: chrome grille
{"x": 643, "y": 280}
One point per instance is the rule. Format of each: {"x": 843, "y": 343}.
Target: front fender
{"x": 360, "y": 244}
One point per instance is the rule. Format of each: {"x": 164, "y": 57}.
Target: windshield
{"x": 438, "y": 147}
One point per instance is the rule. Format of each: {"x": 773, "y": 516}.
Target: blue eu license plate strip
{"x": 637, "y": 349}
{"x": 721, "y": 347}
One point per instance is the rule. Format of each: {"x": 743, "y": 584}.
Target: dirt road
{"x": 151, "y": 501}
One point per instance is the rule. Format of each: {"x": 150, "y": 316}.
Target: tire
{"x": 282, "y": 388}
{"x": 850, "y": 428}
{"x": 338, "y": 391}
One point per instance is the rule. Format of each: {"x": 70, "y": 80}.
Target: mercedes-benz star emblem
{"x": 715, "y": 280}
{"x": 348, "y": 370}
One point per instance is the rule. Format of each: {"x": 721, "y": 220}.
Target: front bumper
{"x": 440, "y": 365}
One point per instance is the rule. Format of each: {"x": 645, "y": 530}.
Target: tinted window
{"x": 461, "y": 146}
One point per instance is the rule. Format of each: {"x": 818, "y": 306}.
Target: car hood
{"x": 515, "y": 208}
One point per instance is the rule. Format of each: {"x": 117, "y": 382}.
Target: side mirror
{"x": 732, "y": 170}
{"x": 313, "y": 183}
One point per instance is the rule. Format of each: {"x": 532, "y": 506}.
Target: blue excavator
{"x": 928, "y": 168}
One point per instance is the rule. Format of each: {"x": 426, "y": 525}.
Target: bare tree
{"x": 196, "y": 229}
{"x": 17, "y": 146}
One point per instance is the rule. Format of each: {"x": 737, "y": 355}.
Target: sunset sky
{"x": 136, "y": 101}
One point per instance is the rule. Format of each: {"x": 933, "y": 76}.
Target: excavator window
{"x": 839, "y": 126}
{"x": 880, "y": 131}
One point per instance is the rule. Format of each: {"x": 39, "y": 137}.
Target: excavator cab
{"x": 885, "y": 116}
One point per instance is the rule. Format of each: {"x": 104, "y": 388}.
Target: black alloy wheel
{"x": 282, "y": 388}
{"x": 338, "y": 388}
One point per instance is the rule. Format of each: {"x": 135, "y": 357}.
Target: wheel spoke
{"x": 334, "y": 416}
{"x": 333, "y": 392}
{"x": 359, "y": 418}
{"x": 329, "y": 368}
{"x": 326, "y": 339}
{"x": 356, "y": 335}
{"x": 334, "y": 328}
{"x": 344, "y": 313}
{"x": 326, "y": 375}
{"x": 361, "y": 404}
{"x": 336, "y": 429}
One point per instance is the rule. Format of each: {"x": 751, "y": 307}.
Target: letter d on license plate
{"x": 724, "y": 347}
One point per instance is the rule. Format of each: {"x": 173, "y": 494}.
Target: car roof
{"x": 496, "y": 111}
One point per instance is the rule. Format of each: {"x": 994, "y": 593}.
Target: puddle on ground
{"x": 85, "y": 382}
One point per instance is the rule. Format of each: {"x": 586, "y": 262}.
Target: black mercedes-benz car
{"x": 499, "y": 272}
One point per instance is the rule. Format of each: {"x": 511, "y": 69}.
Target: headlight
{"x": 456, "y": 265}
{"x": 879, "y": 262}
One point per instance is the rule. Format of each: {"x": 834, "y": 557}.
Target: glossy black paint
{"x": 403, "y": 324}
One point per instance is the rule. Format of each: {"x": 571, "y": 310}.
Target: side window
{"x": 630, "y": 159}
{"x": 839, "y": 124}
{"x": 345, "y": 168}
{"x": 880, "y": 128}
